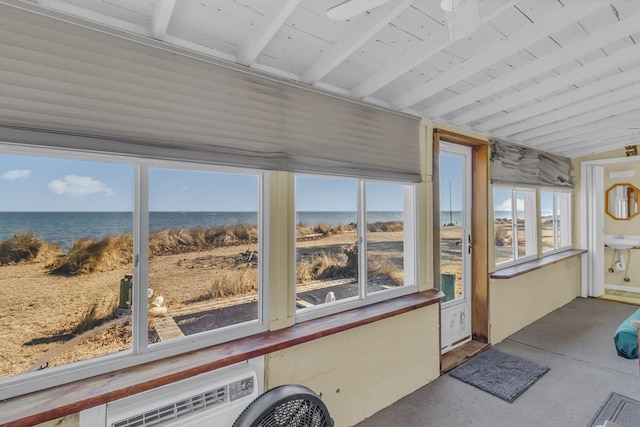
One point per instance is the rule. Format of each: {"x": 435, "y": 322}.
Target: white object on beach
{"x": 331, "y": 297}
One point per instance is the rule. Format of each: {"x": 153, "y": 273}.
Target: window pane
{"x": 385, "y": 236}
{"x": 557, "y": 216}
{"x": 521, "y": 224}
{"x": 547, "y": 219}
{"x": 503, "y": 230}
{"x": 203, "y": 251}
{"x": 65, "y": 245}
{"x": 326, "y": 240}
{"x": 564, "y": 216}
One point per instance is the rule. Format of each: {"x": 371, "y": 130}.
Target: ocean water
{"x": 65, "y": 227}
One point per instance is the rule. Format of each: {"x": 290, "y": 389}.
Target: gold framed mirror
{"x": 622, "y": 201}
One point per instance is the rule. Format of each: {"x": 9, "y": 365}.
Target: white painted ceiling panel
{"x": 541, "y": 93}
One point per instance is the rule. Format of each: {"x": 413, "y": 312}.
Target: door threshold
{"x": 458, "y": 356}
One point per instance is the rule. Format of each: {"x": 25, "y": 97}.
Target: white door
{"x": 455, "y": 244}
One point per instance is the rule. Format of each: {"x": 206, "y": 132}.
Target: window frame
{"x": 560, "y": 199}
{"x": 531, "y": 233}
{"x": 410, "y": 247}
{"x": 141, "y": 352}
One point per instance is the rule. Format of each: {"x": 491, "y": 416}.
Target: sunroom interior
{"x": 387, "y": 192}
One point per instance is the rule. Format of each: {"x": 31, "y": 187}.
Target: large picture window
{"x": 355, "y": 242}
{"x": 126, "y": 259}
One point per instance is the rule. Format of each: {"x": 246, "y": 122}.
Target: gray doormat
{"x": 501, "y": 374}
{"x": 620, "y": 409}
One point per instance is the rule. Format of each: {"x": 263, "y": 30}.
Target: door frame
{"x": 451, "y": 309}
{"x": 479, "y": 226}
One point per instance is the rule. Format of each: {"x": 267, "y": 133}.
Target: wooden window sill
{"x": 525, "y": 267}
{"x": 74, "y": 397}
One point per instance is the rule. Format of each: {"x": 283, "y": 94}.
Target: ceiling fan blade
{"x": 351, "y": 8}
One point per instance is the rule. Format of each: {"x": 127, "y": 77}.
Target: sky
{"x": 451, "y": 173}
{"x": 29, "y": 183}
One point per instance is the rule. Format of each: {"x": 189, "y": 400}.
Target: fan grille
{"x": 298, "y": 412}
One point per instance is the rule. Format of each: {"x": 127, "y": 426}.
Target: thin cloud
{"x": 15, "y": 174}
{"x": 79, "y": 186}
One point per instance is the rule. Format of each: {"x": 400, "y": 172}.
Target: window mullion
{"x": 139, "y": 304}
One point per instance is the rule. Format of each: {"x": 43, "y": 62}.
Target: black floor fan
{"x": 286, "y": 406}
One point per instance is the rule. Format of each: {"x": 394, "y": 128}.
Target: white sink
{"x": 621, "y": 242}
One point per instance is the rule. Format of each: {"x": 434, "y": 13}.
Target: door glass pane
{"x": 385, "y": 236}
{"x": 203, "y": 251}
{"x": 326, "y": 240}
{"x": 452, "y": 227}
{"x": 65, "y": 246}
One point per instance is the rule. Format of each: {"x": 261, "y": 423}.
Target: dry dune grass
{"x": 86, "y": 256}
{"x": 233, "y": 282}
{"x": 43, "y": 312}
{"x": 26, "y": 246}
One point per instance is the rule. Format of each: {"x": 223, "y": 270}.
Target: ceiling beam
{"x": 528, "y": 117}
{"x": 508, "y": 46}
{"x": 577, "y": 130}
{"x": 409, "y": 60}
{"x": 412, "y": 58}
{"x": 580, "y": 149}
{"x": 161, "y": 17}
{"x": 603, "y": 37}
{"x": 593, "y": 111}
{"x": 554, "y": 119}
{"x": 375, "y": 21}
{"x": 271, "y": 23}
{"x": 593, "y": 68}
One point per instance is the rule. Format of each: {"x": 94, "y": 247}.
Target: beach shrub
{"x": 233, "y": 282}
{"x": 324, "y": 266}
{"x": 386, "y": 227}
{"x": 323, "y": 230}
{"x": 25, "y": 246}
{"x": 87, "y": 255}
{"x": 177, "y": 241}
{"x": 503, "y": 236}
{"x": 381, "y": 270}
{"x": 95, "y": 315}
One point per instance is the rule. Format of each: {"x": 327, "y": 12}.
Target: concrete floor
{"x": 575, "y": 342}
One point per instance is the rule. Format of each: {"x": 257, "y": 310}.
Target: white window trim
{"x": 140, "y": 351}
{"x": 531, "y": 236}
{"x": 410, "y": 252}
{"x": 565, "y": 219}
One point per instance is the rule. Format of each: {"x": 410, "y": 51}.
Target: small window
{"x": 556, "y": 220}
{"x": 354, "y": 241}
{"x": 514, "y": 225}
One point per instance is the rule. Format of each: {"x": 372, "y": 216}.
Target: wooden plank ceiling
{"x": 558, "y": 75}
